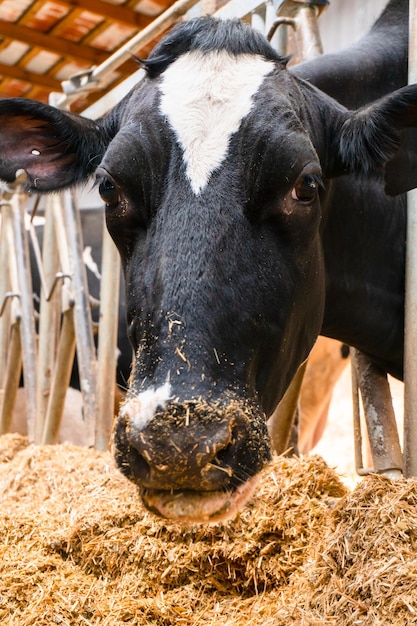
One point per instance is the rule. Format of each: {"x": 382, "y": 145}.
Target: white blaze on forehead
{"x": 205, "y": 97}
{"x": 141, "y": 409}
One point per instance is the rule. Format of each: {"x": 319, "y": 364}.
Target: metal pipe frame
{"x": 410, "y": 340}
{"x": 379, "y": 416}
{"x": 27, "y": 321}
{"x": 107, "y": 347}
{"x": 10, "y": 315}
{"x": 49, "y": 317}
{"x": 86, "y": 351}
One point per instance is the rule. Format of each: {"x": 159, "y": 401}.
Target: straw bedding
{"x": 77, "y": 547}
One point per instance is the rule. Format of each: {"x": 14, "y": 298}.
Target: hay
{"x": 76, "y": 547}
{"x": 365, "y": 567}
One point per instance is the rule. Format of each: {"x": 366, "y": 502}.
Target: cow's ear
{"x": 377, "y": 135}
{"x": 56, "y": 149}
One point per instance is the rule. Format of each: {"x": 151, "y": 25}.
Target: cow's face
{"x": 212, "y": 173}
{"x": 216, "y": 218}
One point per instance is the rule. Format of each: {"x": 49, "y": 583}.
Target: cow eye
{"x": 305, "y": 189}
{"x": 108, "y": 193}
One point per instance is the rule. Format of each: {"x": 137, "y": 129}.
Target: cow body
{"x": 365, "y": 282}
{"x": 216, "y": 172}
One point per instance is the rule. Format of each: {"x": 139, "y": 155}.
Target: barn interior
{"x": 85, "y": 566}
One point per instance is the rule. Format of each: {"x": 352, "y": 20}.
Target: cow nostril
{"x": 226, "y": 457}
{"x": 132, "y": 463}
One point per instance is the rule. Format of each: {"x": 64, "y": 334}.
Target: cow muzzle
{"x": 194, "y": 461}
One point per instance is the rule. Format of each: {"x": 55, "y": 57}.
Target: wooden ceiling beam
{"x": 59, "y": 45}
{"x": 114, "y": 12}
{"x": 40, "y": 80}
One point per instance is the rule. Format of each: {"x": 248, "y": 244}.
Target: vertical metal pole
{"x": 11, "y": 366}
{"x": 410, "y": 347}
{"x": 379, "y": 415}
{"x": 308, "y": 32}
{"x": 66, "y": 344}
{"x": 279, "y": 40}
{"x": 27, "y": 323}
{"x": 49, "y": 316}
{"x": 86, "y": 353}
{"x": 11, "y": 378}
{"x": 60, "y": 380}
{"x": 107, "y": 337}
{"x": 258, "y": 22}
{"x": 5, "y": 218}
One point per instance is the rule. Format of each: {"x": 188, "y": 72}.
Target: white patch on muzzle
{"x": 205, "y": 96}
{"x": 141, "y": 409}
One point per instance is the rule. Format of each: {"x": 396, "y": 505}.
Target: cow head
{"x": 215, "y": 175}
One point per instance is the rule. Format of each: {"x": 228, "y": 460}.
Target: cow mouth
{"x": 198, "y": 506}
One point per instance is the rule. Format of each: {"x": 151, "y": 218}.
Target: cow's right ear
{"x": 380, "y": 135}
{"x": 57, "y": 149}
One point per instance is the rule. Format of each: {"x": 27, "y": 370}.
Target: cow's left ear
{"x": 56, "y": 149}
{"x": 376, "y": 136}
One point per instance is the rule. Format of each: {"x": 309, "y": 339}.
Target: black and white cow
{"x": 216, "y": 172}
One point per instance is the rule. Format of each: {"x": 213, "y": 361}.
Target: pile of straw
{"x": 77, "y": 547}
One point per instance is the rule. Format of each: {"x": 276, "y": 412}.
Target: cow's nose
{"x": 182, "y": 447}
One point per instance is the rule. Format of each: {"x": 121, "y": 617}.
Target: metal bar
{"x": 10, "y": 312}
{"x": 410, "y": 340}
{"x": 307, "y": 32}
{"x": 63, "y": 252}
{"x": 379, "y": 415}
{"x": 61, "y": 379}
{"x": 107, "y": 337}
{"x": 27, "y": 324}
{"x": 11, "y": 379}
{"x": 278, "y": 40}
{"x": 86, "y": 354}
{"x": 49, "y": 318}
{"x": 101, "y": 106}
{"x": 258, "y": 21}
{"x": 66, "y": 342}
{"x": 4, "y": 288}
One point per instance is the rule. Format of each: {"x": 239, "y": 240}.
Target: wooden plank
{"x": 41, "y": 80}
{"x": 77, "y": 25}
{"x": 49, "y": 42}
{"x": 114, "y": 12}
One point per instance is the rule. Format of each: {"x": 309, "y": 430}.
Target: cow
{"x": 219, "y": 173}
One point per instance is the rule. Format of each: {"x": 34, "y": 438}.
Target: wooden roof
{"x": 44, "y": 42}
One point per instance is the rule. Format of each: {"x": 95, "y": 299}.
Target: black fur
{"x": 207, "y": 34}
